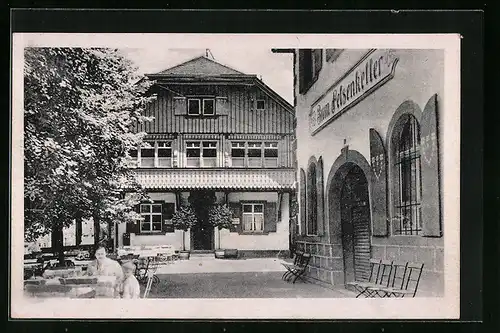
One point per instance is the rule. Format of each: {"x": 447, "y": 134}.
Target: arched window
{"x": 312, "y": 201}
{"x": 407, "y": 177}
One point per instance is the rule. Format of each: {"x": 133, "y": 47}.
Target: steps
{"x": 202, "y": 255}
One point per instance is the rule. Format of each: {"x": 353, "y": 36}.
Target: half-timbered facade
{"x": 221, "y": 133}
{"x": 369, "y": 161}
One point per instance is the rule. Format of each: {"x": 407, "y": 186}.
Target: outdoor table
{"x": 61, "y": 272}
{"x": 73, "y": 287}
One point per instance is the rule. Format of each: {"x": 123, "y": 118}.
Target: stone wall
{"x": 326, "y": 262}
{"x": 429, "y": 251}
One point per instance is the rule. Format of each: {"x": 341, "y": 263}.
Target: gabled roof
{"x": 200, "y": 66}
{"x": 203, "y": 69}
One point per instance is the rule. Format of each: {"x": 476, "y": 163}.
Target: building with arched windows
{"x": 369, "y": 161}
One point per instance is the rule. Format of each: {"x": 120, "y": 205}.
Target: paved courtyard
{"x": 250, "y": 278}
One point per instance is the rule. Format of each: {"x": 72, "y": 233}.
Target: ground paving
{"x": 250, "y": 278}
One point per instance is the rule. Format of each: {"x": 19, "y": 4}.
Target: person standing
{"x": 130, "y": 285}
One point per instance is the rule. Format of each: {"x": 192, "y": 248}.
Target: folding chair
{"x": 397, "y": 280}
{"x": 289, "y": 267}
{"x": 360, "y": 286}
{"x": 384, "y": 279}
{"x": 297, "y": 271}
{"x": 141, "y": 271}
{"x": 410, "y": 283}
{"x": 149, "y": 283}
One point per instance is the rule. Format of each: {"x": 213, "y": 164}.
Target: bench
{"x": 404, "y": 282}
{"x": 380, "y": 276}
{"x": 298, "y": 268}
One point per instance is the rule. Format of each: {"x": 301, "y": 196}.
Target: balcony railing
{"x": 248, "y": 179}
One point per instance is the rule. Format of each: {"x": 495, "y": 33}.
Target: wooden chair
{"x": 383, "y": 279}
{"x": 298, "y": 271}
{"x": 360, "y": 286}
{"x": 297, "y": 258}
{"x": 396, "y": 280}
{"x": 409, "y": 285}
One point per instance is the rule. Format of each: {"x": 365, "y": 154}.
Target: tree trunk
{"x": 97, "y": 230}
{"x": 57, "y": 242}
{"x": 183, "y": 240}
{"x": 79, "y": 231}
{"x": 110, "y": 237}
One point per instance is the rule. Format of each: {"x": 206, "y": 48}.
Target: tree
{"x": 80, "y": 106}
{"x": 220, "y": 217}
{"x": 184, "y": 219}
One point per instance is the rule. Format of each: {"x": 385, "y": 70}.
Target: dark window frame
{"x": 309, "y": 68}
{"x": 151, "y": 222}
{"x": 262, "y": 151}
{"x": 408, "y": 179}
{"x": 311, "y": 200}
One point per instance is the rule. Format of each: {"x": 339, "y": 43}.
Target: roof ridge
{"x": 194, "y": 59}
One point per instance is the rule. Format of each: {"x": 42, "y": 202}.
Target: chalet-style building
{"x": 369, "y": 161}
{"x": 221, "y": 133}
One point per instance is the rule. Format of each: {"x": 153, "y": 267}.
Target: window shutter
{"x": 318, "y": 62}
{"x": 319, "y": 197}
{"x": 302, "y": 202}
{"x": 301, "y": 60}
{"x": 236, "y": 209}
{"x": 167, "y": 214}
{"x": 270, "y": 215}
{"x": 180, "y": 106}
{"x": 429, "y": 152}
{"x": 221, "y": 106}
{"x": 378, "y": 160}
{"x": 134, "y": 227}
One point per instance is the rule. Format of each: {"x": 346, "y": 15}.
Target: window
{"x": 154, "y": 154}
{"x": 201, "y": 154}
{"x": 270, "y": 154}
{"x": 261, "y": 104}
{"x": 148, "y": 154}
{"x": 194, "y": 107}
{"x": 193, "y": 153}
{"x": 208, "y": 107}
{"x": 201, "y": 106}
{"x": 407, "y": 174}
{"x": 310, "y": 64}
{"x": 238, "y": 154}
{"x": 209, "y": 154}
{"x": 151, "y": 217}
{"x": 312, "y": 201}
{"x": 253, "y": 217}
{"x": 332, "y": 54}
{"x": 164, "y": 149}
{"x": 254, "y": 154}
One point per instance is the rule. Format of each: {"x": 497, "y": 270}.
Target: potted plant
{"x": 184, "y": 219}
{"x": 220, "y": 217}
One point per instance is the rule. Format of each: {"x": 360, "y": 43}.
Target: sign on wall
{"x": 373, "y": 70}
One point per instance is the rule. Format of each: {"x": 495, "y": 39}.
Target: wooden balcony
{"x": 216, "y": 179}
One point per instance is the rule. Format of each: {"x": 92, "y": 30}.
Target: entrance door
{"x": 202, "y": 237}
{"x": 355, "y": 220}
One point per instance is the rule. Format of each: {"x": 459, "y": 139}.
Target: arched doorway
{"x": 355, "y": 225}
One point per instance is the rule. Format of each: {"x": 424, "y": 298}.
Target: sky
{"x": 276, "y": 69}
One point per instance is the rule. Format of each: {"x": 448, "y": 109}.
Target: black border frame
{"x": 470, "y": 24}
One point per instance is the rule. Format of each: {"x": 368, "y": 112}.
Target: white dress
{"x": 131, "y": 288}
